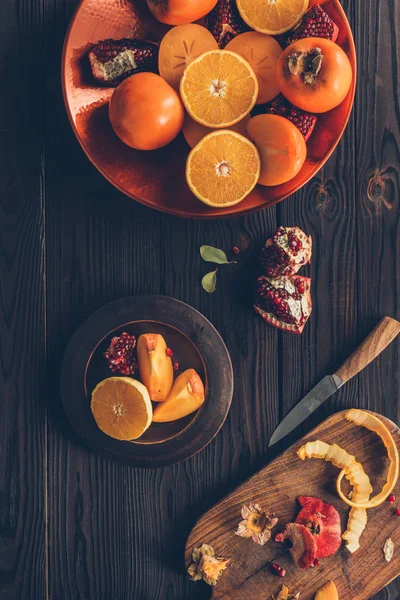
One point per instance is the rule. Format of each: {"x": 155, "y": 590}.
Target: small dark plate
{"x": 195, "y": 343}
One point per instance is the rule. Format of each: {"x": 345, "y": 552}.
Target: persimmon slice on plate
{"x": 272, "y": 16}
{"x": 194, "y": 132}
{"x": 219, "y": 88}
{"x": 223, "y": 168}
{"x": 262, "y": 52}
{"x": 179, "y": 47}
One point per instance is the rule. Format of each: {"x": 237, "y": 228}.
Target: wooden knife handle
{"x": 379, "y": 338}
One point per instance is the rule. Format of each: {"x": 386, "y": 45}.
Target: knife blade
{"x": 325, "y": 388}
{"x": 380, "y": 337}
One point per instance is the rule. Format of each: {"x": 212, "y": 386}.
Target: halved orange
{"x": 218, "y": 88}
{"x": 122, "y": 407}
{"x": 194, "y": 132}
{"x": 272, "y": 16}
{"x": 179, "y": 47}
{"x": 223, "y": 168}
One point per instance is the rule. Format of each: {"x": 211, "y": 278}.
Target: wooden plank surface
{"x": 275, "y": 488}
{"x": 115, "y": 532}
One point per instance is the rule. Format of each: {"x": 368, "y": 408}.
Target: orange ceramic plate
{"x": 157, "y": 178}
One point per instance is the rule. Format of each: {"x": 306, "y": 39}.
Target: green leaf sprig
{"x": 217, "y": 256}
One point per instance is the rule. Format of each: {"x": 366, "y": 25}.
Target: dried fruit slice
{"x": 218, "y": 88}
{"x": 368, "y": 420}
{"x": 323, "y": 521}
{"x": 262, "y": 53}
{"x": 286, "y": 251}
{"x": 112, "y": 61}
{"x": 223, "y": 168}
{"x": 327, "y": 592}
{"x": 179, "y": 47}
{"x": 304, "y": 549}
{"x": 121, "y": 407}
{"x": 224, "y": 22}
{"x": 273, "y": 17}
{"x": 194, "y": 132}
{"x": 284, "y": 302}
{"x": 315, "y": 23}
{"x": 304, "y": 121}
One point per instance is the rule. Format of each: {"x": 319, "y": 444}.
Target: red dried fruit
{"x": 304, "y": 547}
{"x": 397, "y": 512}
{"x": 276, "y": 567}
{"x": 225, "y": 22}
{"x": 392, "y": 498}
{"x": 280, "y": 303}
{"x": 282, "y": 572}
{"x": 323, "y": 521}
{"x": 112, "y": 61}
{"x": 120, "y": 354}
{"x": 315, "y": 23}
{"x": 304, "y": 121}
{"x": 286, "y": 251}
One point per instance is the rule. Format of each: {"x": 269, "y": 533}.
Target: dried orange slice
{"x": 272, "y": 16}
{"x": 223, "y": 168}
{"x": 194, "y": 132}
{"x": 262, "y": 53}
{"x": 368, "y": 420}
{"x": 179, "y": 47}
{"x": 218, "y": 88}
{"x": 121, "y": 407}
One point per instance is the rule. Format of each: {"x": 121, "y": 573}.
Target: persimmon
{"x": 314, "y": 74}
{"x": 194, "y": 132}
{"x": 146, "y": 112}
{"x": 281, "y": 146}
{"x": 179, "y": 47}
{"x": 262, "y": 53}
{"x": 180, "y": 12}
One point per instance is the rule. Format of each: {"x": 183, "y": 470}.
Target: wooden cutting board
{"x": 275, "y": 487}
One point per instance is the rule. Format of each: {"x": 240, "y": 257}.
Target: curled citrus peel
{"x": 368, "y": 420}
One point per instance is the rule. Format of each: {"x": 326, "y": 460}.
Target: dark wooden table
{"x": 72, "y": 525}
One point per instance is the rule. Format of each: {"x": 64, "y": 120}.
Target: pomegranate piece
{"x": 120, "y": 354}
{"x": 112, "y": 61}
{"x": 304, "y": 121}
{"x": 304, "y": 547}
{"x": 284, "y": 302}
{"x": 286, "y": 251}
{"x": 315, "y": 23}
{"x": 225, "y": 22}
{"x": 323, "y": 521}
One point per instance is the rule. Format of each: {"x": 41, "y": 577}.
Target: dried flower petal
{"x": 285, "y": 595}
{"x": 388, "y": 550}
{"x": 262, "y": 538}
{"x": 206, "y": 565}
{"x": 257, "y": 524}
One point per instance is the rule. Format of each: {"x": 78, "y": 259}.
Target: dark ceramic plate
{"x": 195, "y": 343}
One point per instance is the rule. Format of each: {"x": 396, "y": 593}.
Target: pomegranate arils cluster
{"x": 225, "y": 22}
{"x": 286, "y": 252}
{"x": 120, "y": 354}
{"x": 315, "y": 23}
{"x": 112, "y": 61}
{"x": 304, "y": 121}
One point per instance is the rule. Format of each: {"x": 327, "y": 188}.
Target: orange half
{"x": 223, "y": 168}
{"x": 219, "y": 88}
{"x": 272, "y": 16}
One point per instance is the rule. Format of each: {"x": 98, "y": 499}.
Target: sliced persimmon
{"x": 262, "y": 52}
{"x": 179, "y": 47}
{"x": 194, "y": 132}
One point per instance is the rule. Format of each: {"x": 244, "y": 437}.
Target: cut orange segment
{"x": 223, "y": 168}
{"x": 179, "y": 47}
{"x": 194, "y": 132}
{"x": 121, "y": 407}
{"x": 272, "y": 16}
{"x": 218, "y": 88}
{"x": 262, "y": 53}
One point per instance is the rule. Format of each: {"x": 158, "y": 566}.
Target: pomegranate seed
{"x": 275, "y": 567}
{"x": 316, "y": 563}
{"x": 235, "y": 250}
{"x": 392, "y": 498}
{"x": 282, "y": 573}
{"x": 169, "y": 352}
{"x": 176, "y": 366}
{"x": 397, "y": 512}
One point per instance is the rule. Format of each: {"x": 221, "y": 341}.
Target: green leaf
{"x": 209, "y": 281}
{"x": 214, "y": 255}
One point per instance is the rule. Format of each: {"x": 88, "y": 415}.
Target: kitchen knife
{"x": 380, "y": 337}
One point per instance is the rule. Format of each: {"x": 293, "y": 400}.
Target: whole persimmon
{"x": 281, "y": 147}
{"x": 180, "y": 12}
{"x": 314, "y": 74}
{"x": 146, "y": 112}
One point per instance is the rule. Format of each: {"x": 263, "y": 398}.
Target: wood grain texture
{"x": 275, "y": 488}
